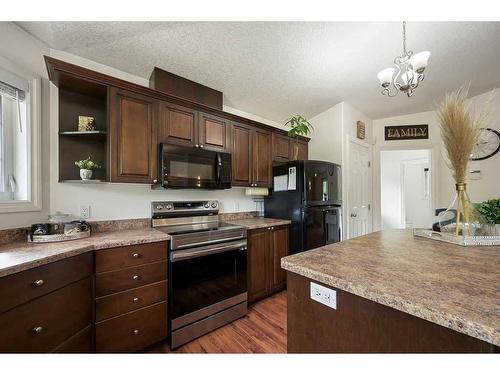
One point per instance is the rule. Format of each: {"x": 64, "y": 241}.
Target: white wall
{"x": 106, "y": 201}
{"x": 443, "y": 184}
{"x": 391, "y": 192}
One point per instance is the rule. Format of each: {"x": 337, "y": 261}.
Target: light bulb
{"x": 385, "y": 76}
{"x": 419, "y": 61}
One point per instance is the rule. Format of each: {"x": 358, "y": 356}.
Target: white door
{"x": 359, "y": 190}
{"x": 416, "y": 205}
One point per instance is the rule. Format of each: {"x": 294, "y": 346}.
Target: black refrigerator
{"x": 309, "y": 193}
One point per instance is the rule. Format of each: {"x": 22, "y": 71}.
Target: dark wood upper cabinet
{"x": 281, "y": 147}
{"x": 178, "y": 125}
{"x": 214, "y": 132}
{"x": 133, "y": 123}
{"x": 242, "y": 154}
{"x": 262, "y": 158}
{"x": 299, "y": 150}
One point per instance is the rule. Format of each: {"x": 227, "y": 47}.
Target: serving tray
{"x": 39, "y": 238}
{"x": 458, "y": 240}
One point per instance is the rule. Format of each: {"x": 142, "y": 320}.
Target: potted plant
{"x": 86, "y": 167}
{"x": 299, "y": 126}
{"x": 490, "y": 212}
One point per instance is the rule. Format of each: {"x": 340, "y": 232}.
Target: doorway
{"x": 406, "y": 193}
{"x": 360, "y": 190}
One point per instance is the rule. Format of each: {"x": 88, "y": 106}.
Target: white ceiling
{"x": 276, "y": 69}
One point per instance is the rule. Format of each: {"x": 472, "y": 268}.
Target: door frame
{"x": 345, "y": 186}
{"x": 377, "y": 181}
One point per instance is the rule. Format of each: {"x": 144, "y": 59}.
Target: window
{"x": 19, "y": 142}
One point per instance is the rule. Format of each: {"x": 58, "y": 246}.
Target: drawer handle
{"x": 136, "y": 331}
{"x": 136, "y": 255}
{"x": 38, "y": 282}
{"x": 38, "y": 329}
{"x": 135, "y": 299}
{"x": 135, "y": 277}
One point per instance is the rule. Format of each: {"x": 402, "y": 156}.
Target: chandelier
{"x": 410, "y": 71}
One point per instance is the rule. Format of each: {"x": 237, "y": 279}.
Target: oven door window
{"x": 200, "y": 282}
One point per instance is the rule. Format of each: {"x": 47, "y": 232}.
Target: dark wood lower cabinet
{"x": 266, "y": 247}
{"x": 359, "y": 325}
{"x": 80, "y": 342}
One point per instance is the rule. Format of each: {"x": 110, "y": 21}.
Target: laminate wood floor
{"x": 263, "y": 330}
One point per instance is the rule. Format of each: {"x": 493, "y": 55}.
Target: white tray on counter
{"x": 458, "y": 240}
{"x": 58, "y": 237}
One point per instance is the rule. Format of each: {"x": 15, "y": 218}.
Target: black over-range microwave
{"x": 190, "y": 167}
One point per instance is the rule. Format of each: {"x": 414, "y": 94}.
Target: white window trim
{"x": 33, "y": 126}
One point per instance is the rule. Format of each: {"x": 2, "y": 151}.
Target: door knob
{"x": 354, "y": 215}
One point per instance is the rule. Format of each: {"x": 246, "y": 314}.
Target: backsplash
{"x": 19, "y": 234}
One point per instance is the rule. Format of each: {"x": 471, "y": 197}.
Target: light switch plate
{"x": 84, "y": 212}
{"x": 324, "y": 295}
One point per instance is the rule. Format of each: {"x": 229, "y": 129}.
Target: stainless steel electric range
{"x": 207, "y": 279}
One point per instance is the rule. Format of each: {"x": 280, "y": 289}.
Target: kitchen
{"x": 195, "y": 217}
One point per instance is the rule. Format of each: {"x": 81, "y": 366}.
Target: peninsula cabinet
{"x": 266, "y": 247}
{"x": 252, "y": 156}
{"x": 133, "y": 120}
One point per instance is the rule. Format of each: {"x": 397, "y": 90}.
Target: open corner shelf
{"x": 83, "y": 181}
{"x": 97, "y": 135}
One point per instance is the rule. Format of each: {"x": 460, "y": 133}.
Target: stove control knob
{"x": 207, "y": 205}
{"x": 159, "y": 207}
{"x": 214, "y": 204}
{"x": 168, "y": 206}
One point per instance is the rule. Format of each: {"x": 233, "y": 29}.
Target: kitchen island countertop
{"x": 453, "y": 286}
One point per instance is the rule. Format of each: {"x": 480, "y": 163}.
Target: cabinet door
{"x": 258, "y": 263}
{"x": 214, "y": 132}
{"x": 262, "y": 158}
{"x": 281, "y": 147}
{"x": 132, "y": 137}
{"x": 299, "y": 150}
{"x": 178, "y": 125}
{"x": 242, "y": 154}
{"x": 280, "y": 248}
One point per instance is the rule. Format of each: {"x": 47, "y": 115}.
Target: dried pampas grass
{"x": 460, "y": 127}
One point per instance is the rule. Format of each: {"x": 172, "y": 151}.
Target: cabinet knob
{"x": 136, "y": 331}
{"x": 196, "y": 145}
{"x": 155, "y": 181}
{"x": 38, "y": 282}
{"x": 135, "y": 299}
{"x": 38, "y": 329}
{"x": 272, "y": 228}
{"x": 135, "y": 277}
{"x": 201, "y": 146}
{"x": 136, "y": 255}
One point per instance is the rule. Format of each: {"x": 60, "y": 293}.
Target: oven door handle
{"x": 178, "y": 255}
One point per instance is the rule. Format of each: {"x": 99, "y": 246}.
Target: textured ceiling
{"x": 277, "y": 69}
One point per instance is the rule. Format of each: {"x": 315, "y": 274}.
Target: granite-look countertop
{"x": 20, "y": 256}
{"x": 453, "y": 286}
{"x": 258, "y": 222}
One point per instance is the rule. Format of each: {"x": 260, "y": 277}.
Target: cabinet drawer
{"x": 132, "y": 331}
{"x": 132, "y": 299}
{"x": 128, "y": 256}
{"x": 44, "y": 323}
{"x": 127, "y": 278}
{"x": 80, "y": 342}
{"x": 21, "y": 287}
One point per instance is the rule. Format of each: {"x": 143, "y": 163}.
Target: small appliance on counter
{"x": 60, "y": 227}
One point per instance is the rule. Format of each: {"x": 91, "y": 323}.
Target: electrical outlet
{"x": 84, "y": 212}
{"x": 324, "y": 295}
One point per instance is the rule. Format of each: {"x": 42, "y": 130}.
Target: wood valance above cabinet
{"x": 135, "y": 119}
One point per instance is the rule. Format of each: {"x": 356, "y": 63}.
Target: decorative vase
{"x": 86, "y": 174}
{"x": 460, "y": 218}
